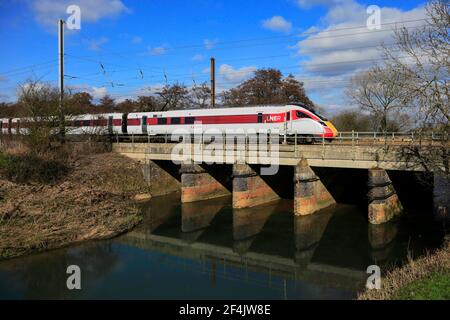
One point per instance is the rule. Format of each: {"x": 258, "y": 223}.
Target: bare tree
{"x": 40, "y": 105}
{"x": 421, "y": 59}
{"x": 149, "y": 103}
{"x": 349, "y": 120}
{"x": 375, "y": 91}
{"x": 173, "y": 96}
{"x": 200, "y": 95}
{"x": 421, "y": 56}
{"x": 107, "y": 104}
{"x": 267, "y": 86}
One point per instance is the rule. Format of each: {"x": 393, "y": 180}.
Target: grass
{"x": 5, "y": 160}
{"x": 425, "y": 278}
{"x": 434, "y": 287}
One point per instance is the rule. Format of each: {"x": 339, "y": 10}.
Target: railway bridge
{"x": 248, "y": 171}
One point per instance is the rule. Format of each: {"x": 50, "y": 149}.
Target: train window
{"x": 86, "y": 123}
{"x": 259, "y": 117}
{"x": 300, "y": 114}
{"x": 189, "y": 120}
{"x": 124, "y": 123}
{"x": 162, "y": 120}
{"x": 176, "y": 120}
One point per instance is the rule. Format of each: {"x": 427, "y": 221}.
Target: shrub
{"x": 32, "y": 168}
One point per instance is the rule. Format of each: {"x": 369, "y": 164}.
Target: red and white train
{"x": 287, "y": 120}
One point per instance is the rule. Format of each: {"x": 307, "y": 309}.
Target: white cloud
{"x": 228, "y": 73}
{"x": 96, "y": 44}
{"x": 47, "y": 12}
{"x": 277, "y": 23}
{"x": 136, "y": 40}
{"x": 198, "y": 57}
{"x": 209, "y": 44}
{"x": 96, "y": 92}
{"x": 340, "y": 45}
{"x": 345, "y": 45}
{"x": 156, "y": 51}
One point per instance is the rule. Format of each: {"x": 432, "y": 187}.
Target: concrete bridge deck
{"x": 336, "y": 155}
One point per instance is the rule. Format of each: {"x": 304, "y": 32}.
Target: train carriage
{"x": 5, "y": 125}
{"x": 288, "y": 119}
{"x": 103, "y": 124}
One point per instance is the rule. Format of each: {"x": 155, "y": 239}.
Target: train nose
{"x": 332, "y": 128}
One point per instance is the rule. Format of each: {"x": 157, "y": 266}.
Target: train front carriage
{"x": 307, "y": 122}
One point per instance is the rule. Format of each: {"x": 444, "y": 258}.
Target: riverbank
{"x": 93, "y": 198}
{"x": 427, "y": 278}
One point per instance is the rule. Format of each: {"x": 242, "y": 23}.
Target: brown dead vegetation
{"x": 92, "y": 200}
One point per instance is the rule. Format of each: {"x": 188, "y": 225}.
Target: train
{"x": 289, "y": 119}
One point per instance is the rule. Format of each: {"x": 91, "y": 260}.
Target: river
{"x": 208, "y": 250}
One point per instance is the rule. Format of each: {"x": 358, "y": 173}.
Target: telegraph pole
{"x": 61, "y": 78}
{"x": 213, "y": 82}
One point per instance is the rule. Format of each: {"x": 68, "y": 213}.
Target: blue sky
{"x": 128, "y": 48}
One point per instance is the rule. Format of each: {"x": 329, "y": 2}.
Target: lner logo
{"x": 273, "y": 118}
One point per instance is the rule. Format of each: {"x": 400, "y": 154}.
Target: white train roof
{"x": 221, "y": 111}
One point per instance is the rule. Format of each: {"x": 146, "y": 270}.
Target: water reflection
{"x": 381, "y": 239}
{"x": 46, "y": 275}
{"x": 308, "y": 233}
{"x": 249, "y": 222}
{"x": 195, "y": 219}
{"x": 208, "y": 250}
{"x": 267, "y": 240}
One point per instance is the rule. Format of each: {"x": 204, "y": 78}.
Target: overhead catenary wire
{"x": 146, "y": 73}
{"x": 307, "y": 33}
{"x": 304, "y": 34}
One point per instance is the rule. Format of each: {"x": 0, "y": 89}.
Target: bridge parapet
{"x": 318, "y": 155}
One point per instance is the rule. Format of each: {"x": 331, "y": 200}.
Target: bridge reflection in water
{"x": 265, "y": 245}
{"x": 207, "y": 250}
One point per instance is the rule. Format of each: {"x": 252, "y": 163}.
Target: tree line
{"x": 267, "y": 86}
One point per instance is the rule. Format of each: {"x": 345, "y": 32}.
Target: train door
{"x": 18, "y": 126}
{"x": 110, "y": 125}
{"x": 124, "y": 123}
{"x": 9, "y": 125}
{"x": 144, "y": 124}
{"x": 287, "y": 122}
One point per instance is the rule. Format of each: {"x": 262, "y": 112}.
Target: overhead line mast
{"x": 213, "y": 82}
{"x": 61, "y": 78}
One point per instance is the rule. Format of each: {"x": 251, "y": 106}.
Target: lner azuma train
{"x": 288, "y": 120}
